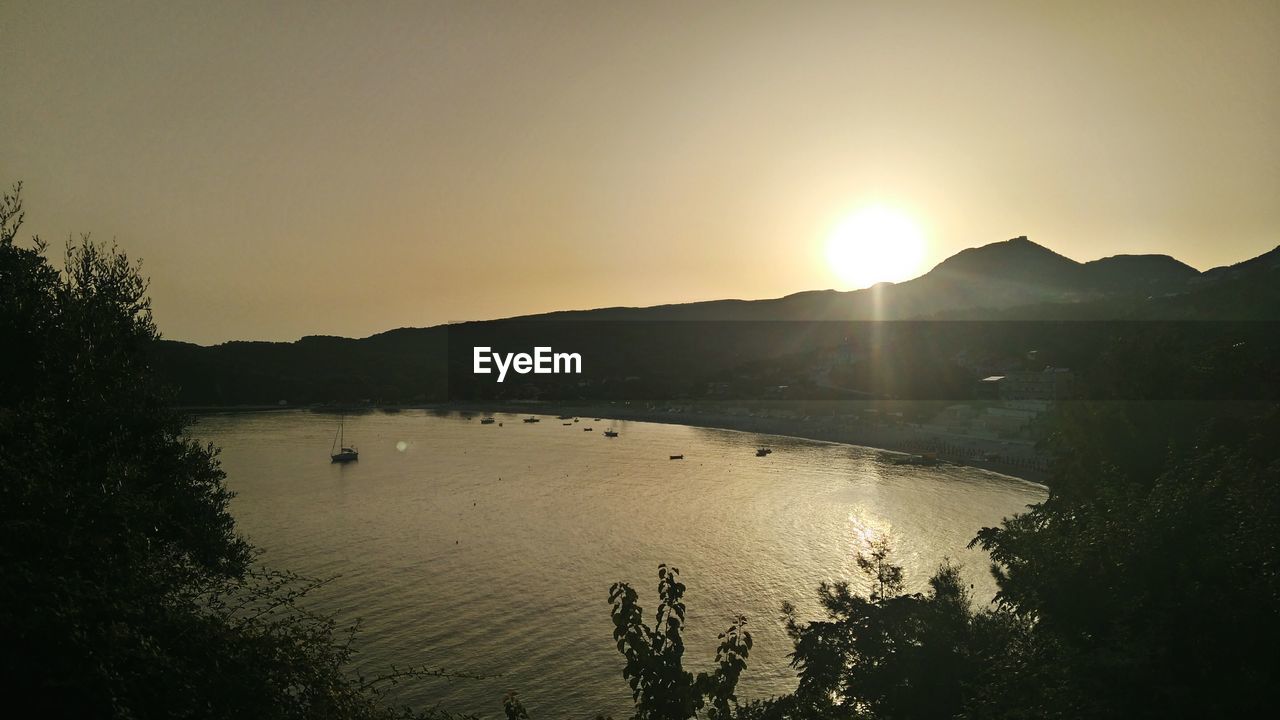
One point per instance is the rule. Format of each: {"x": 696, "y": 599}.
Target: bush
{"x": 127, "y": 592}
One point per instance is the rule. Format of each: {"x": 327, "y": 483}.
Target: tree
{"x": 660, "y": 686}
{"x": 1156, "y": 595}
{"x": 127, "y": 592}
{"x": 888, "y": 654}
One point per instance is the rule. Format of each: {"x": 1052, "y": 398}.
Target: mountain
{"x": 1138, "y": 273}
{"x": 1012, "y": 280}
{"x": 1267, "y": 262}
{"x": 1008, "y": 274}
{"x": 1248, "y": 290}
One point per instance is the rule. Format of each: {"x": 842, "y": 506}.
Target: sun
{"x": 875, "y": 244}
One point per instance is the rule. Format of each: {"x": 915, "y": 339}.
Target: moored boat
{"x": 927, "y": 458}
{"x": 340, "y": 452}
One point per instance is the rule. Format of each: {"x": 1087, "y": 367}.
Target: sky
{"x": 287, "y": 169}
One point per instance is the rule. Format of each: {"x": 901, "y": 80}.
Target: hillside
{"x": 1011, "y": 280}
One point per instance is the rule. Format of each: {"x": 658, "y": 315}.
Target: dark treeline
{"x": 126, "y": 591}
{"x": 942, "y": 331}
{"x": 1146, "y": 585}
{"x": 672, "y": 361}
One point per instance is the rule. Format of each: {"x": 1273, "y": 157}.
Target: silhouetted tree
{"x": 888, "y": 654}
{"x": 126, "y": 591}
{"x": 1155, "y": 595}
{"x": 660, "y": 686}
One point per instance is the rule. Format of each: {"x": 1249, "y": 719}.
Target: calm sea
{"x": 489, "y": 550}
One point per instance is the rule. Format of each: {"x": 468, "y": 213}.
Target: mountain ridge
{"x": 1012, "y": 280}
{"x": 995, "y": 276}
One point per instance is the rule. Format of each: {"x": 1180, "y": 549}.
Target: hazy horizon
{"x": 318, "y": 169}
{"x": 640, "y": 305}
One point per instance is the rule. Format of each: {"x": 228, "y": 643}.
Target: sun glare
{"x": 875, "y": 244}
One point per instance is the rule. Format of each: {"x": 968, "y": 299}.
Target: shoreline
{"x": 1017, "y": 459}
{"x": 904, "y": 440}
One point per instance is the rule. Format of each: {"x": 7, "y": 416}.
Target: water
{"x": 490, "y": 550}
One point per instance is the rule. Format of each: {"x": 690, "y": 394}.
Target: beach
{"x": 1015, "y": 458}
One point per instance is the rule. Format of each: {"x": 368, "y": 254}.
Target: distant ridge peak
{"x": 1020, "y": 244}
{"x": 1014, "y": 255}
{"x": 1020, "y": 241}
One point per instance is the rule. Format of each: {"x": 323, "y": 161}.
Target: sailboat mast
{"x": 340, "y": 453}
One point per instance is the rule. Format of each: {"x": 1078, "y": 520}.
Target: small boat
{"x": 677, "y": 457}
{"x": 340, "y": 452}
{"x": 566, "y": 423}
{"x": 922, "y": 459}
{"x": 587, "y": 429}
{"x": 611, "y": 433}
{"x": 532, "y": 419}
{"x": 487, "y": 421}
{"x": 564, "y": 417}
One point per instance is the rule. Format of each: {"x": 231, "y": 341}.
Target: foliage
{"x": 127, "y": 592}
{"x": 1156, "y": 595}
{"x": 888, "y": 654}
{"x": 1148, "y": 577}
{"x": 661, "y": 688}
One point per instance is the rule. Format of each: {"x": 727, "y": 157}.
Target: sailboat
{"x": 344, "y": 453}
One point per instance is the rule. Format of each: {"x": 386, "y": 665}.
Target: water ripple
{"x": 490, "y": 550}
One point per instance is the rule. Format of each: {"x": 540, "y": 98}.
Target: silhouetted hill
{"x": 1008, "y": 274}
{"x": 1138, "y": 273}
{"x": 1264, "y": 263}
{"x": 1249, "y": 290}
{"x": 402, "y": 365}
{"x": 1018, "y": 260}
{"x": 1011, "y": 280}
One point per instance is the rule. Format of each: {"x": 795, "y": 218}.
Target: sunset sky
{"x": 286, "y": 169}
